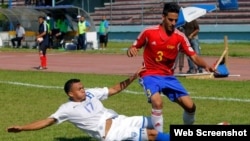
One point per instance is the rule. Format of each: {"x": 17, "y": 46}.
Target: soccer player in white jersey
{"x": 85, "y": 110}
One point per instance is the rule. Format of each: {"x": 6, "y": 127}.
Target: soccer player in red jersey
{"x": 161, "y": 46}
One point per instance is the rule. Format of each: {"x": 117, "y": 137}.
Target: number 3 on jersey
{"x": 159, "y": 56}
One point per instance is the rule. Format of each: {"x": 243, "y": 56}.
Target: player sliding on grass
{"x": 161, "y": 46}
{"x": 85, "y": 110}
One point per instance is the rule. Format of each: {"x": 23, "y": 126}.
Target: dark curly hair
{"x": 170, "y": 7}
{"x": 69, "y": 83}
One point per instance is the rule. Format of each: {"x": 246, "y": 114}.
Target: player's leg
{"x": 135, "y": 128}
{"x": 177, "y": 93}
{"x": 189, "y": 109}
{"x": 42, "y": 55}
{"x": 45, "y": 58}
{"x": 156, "y": 113}
{"x": 152, "y": 134}
{"x": 151, "y": 88}
{"x": 136, "y": 134}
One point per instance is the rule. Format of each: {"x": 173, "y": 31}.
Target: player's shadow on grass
{"x": 74, "y": 139}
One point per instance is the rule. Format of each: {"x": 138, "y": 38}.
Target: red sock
{"x": 44, "y": 61}
{"x": 41, "y": 60}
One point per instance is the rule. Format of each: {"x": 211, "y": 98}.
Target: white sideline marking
{"x": 128, "y": 91}
{"x": 222, "y": 99}
{"x": 30, "y": 85}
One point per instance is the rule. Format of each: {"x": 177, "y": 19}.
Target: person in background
{"x": 43, "y": 40}
{"x": 191, "y": 30}
{"x": 83, "y": 27}
{"x": 86, "y": 111}
{"x": 103, "y": 32}
{"x": 161, "y": 44}
{"x": 180, "y": 59}
{"x": 62, "y": 24}
{"x": 39, "y": 2}
{"x": 20, "y": 35}
{"x": 27, "y": 2}
{"x": 50, "y": 22}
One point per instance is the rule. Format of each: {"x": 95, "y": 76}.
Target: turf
{"x": 28, "y": 96}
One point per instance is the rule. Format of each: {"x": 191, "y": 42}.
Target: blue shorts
{"x": 166, "y": 85}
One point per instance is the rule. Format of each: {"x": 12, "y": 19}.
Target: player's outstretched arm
{"x": 124, "y": 84}
{"x": 200, "y": 62}
{"x": 32, "y": 126}
{"x": 132, "y": 51}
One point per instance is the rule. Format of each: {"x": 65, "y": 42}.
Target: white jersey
{"x": 89, "y": 115}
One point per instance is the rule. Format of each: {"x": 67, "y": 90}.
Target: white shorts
{"x": 125, "y": 128}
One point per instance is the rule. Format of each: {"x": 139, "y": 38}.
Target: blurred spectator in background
{"x": 27, "y": 2}
{"x": 180, "y": 60}
{"x": 39, "y": 3}
{"x": 62, "y": 26}
{"x": 20, "y": 35}
{"x": 48, "y": 2}
{"x": 191, "y": 30}
{"x": 103, "y": 32}
{"x": 50, "y": 22}
{"x": 83, "y": 27}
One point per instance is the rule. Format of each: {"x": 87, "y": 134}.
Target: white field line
{"x": 127, "y": 91}
{"x": 30, "y": 85}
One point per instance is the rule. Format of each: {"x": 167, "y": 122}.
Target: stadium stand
{"x": 15, "y": 3}
{"x": 148, "y": 12}
{"x": 18, "y": 3}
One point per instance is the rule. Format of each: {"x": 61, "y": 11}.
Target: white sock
{"x": 157, "y": 119}
{"x": 188, "y": 118}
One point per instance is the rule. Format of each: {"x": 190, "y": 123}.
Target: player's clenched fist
{"x": 132, "y": 51}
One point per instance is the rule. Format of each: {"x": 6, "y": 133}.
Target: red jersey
{"x": 161, "y": 50}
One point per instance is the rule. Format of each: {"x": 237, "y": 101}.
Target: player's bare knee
{"x": 157, "y": 103}
{"x": 192, "y": 109}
